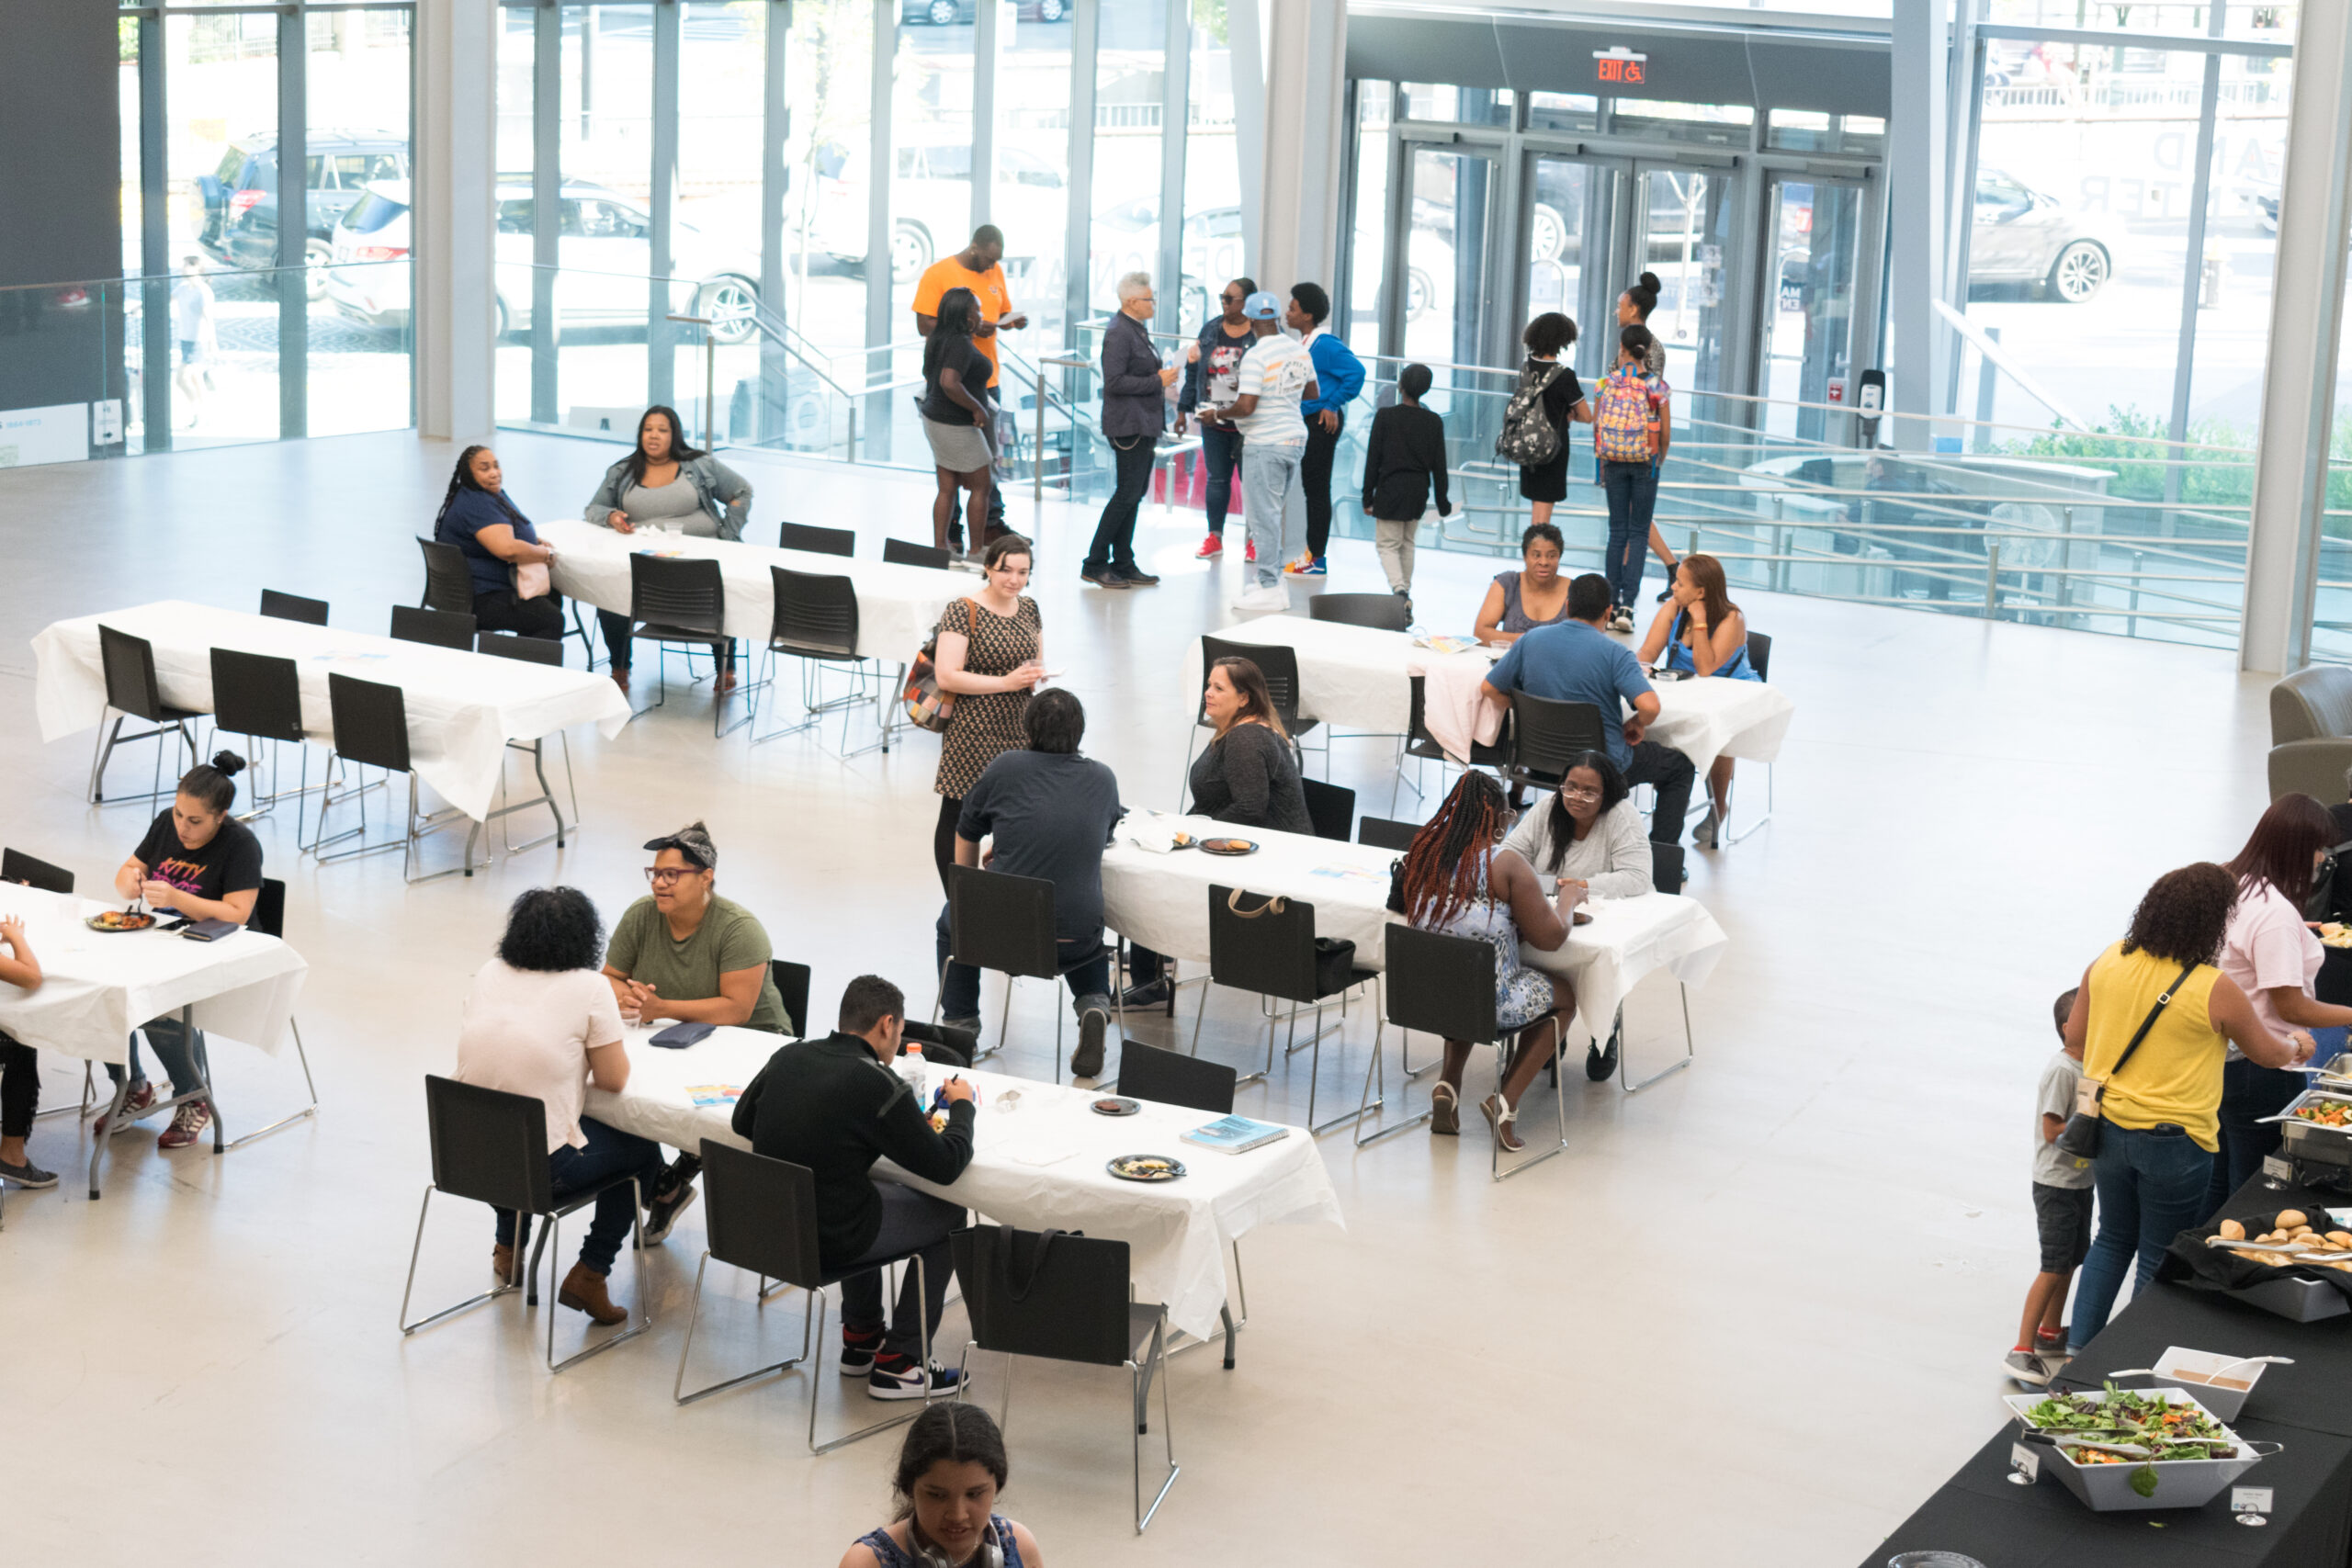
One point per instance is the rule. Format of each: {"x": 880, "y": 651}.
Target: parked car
{"x": 932, "y": 202}
{"x": 948, "y": 13}
{"x": 2022, "y": 235}
{"x": 605, "y": 247}
{"x": 240, "y": 195}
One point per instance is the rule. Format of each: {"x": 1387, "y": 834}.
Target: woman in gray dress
{"x": 956, "y": 418}
{"x": 666, "y": 483}
{"x": 1535, "y": 595}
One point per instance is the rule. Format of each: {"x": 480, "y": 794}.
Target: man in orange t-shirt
{"x": 979, "y": 268}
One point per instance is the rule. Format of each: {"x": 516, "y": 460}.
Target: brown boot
{"x": 583, "y": 1291}
{"x": 502, "y": 1264}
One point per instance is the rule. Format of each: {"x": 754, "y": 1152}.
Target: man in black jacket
{"x": 835, "y": 1105}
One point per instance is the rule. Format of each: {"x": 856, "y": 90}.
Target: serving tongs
{"x": 2226, "y": 1367}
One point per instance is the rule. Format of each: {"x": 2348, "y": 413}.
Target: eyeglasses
{"x": 661, "y": 876}
{"x": 1578, "y": 792}
{"x": 1231, "y": 299}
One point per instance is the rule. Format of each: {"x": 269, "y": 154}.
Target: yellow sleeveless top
{"x": 2175, "y": 1074}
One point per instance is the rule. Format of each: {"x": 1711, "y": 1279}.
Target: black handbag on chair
{"x": 2079, "y": 1137}
{"x": 1335, "y": 961}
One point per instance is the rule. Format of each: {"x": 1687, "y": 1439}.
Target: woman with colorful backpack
{"x": 1536, "y": 424}
{"x": 1631, "y": 431}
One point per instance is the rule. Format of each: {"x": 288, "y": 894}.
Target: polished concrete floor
{"x": 1653, "y": 1350}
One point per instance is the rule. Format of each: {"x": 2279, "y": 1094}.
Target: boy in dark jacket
{"x": 835, "y": 1105}
{"x": 1404, "y": 466}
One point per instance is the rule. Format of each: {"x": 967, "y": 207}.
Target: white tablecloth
{"x": 462, "y": 707}
{"x": 896, "y": 605}
{"x": 1353, "y": 677}
{"x": 96, "y": 988}
{"x": 1162, "y": 901}
{"x": 1037, "y": 1161}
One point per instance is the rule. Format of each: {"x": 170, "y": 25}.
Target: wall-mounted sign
{"x": 1620, "y": 65}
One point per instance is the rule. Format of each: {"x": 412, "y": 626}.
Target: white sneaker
{"x": 1273, "y": 597}
{"x": 1622, "y": 621}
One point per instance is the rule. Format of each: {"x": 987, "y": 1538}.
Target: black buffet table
{"x": 2307, "y": 1407}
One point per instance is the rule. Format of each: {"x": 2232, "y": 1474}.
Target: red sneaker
{"x": 138, "y": 1100}
{"x": 1249, "y": 549}
{"x": 1211, "y": 547}
{"x": 187, "y": 1122}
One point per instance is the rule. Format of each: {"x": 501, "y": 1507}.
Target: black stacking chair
{"x": 21, "y": 868}
{"x": 1382, "y": 611}
{"x": 1445, "y": 986}
{"x": 1171, "y": 1078}
{"x": 1074, "y": 1303}
{"x": 816, "y": 623}
{"x": 997, "y": 921}
{"x": 760, "y": 1216}
{"x": 448, "y": 581}
{"x": 792, "y": 985}
{"x": 259, "y": 697}
{"x": 269, "y": 919}
{"x": 683, "y": 601}
{"x": 821, "y": 541}
{"x": 440, "y": 628}
{"x": 1544, "y": 734}
{"x": 372, "y": 730}
{"x": 1279, "y": 665}
{"x": 534, "y": 650}
{"x": 1759, "y": 659}
{"x": 1381, "y": 833}
{"x": 1423, "y": 747}
{"x": 492, "y": 1146}
{"x": 1331, "y": 808}
{"x": 899, "y": 552}
{"x": 293, "y": 607}
{"x": 1268, "y": 948}
{"x": 132, "y": 691}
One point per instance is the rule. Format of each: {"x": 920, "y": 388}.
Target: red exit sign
{"x": 1620, "y": 65}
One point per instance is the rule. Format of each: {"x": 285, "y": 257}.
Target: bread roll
{"x": 2341, "y": 1238}
{"x": 2291, "y": 1218}
{"x": 2232, "y": 1231}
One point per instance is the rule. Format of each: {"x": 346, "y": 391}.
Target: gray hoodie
{"x": 724, "y": 493}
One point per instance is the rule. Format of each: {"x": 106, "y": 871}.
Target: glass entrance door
{"x": 1807, "y": 321}
{"x": 1570, "y": 245}
{"x": 1439, "y": 265}
{"x": 1684, "y": 218}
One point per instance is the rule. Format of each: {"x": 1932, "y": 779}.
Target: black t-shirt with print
{"x": 229, "y": 862}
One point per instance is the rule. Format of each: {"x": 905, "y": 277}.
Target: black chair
{"x": 1759, "y": 655}
{"x": 132, "y": 691}
{"x": 372, "y": 730}
{"x": 1445, "y": 986}
{"x": 269, "y": 919}
{"x": 515, "y": 646}
{"x": 534, "y": 650}
{"x": 816, "y": 621}
{"x": 293, "y": 607}
{"x": 761, "y": 1217}
{"x": 997, "y": 921}
{"x": 259, "y": 697}
{"x": 1074, "y": 1303}
{"x": 821, "y": 541}
{"x": 1171, "y": 1078}
{"x": 440, "y": 628}
{"x": 1759, "y": 659}
{"x": 1382, "y": 611}
{"x": 1269, "y": 948}
{"x": 21, "y": 868}
{"x": 1667, "y": 874}
{"x": 492, "y": 1146}
{"x": 899, "y": 552}
{"x": 683, "y": 601}
{"x": 792, "y": 985}
{"x": 1423, "y": 747}
{"x": 1331, "y": 808}
{"x": 1279, "y": 665}
{"x": 1545, "y": 733}
{"x": 1381, "y": 833}
{"x": 448, "y": 580}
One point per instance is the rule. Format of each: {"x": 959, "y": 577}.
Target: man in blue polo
{"x": 1338, "y": 377}
{"x": 1578, "y": 661}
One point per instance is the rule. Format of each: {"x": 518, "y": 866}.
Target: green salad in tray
{"x": 2124, "y": 1415}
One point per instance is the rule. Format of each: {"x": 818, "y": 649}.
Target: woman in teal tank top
{"x": 1701, "y": 632}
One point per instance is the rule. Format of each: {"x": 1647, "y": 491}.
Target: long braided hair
{"x": 463, "y": 479}
{"x": 1444, "y": 870}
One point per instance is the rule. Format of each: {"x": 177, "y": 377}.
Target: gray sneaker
{"x": 1086, "y": 1062}
{"x": 2028, "y": 1368}
{"x": 28, "y": 1174}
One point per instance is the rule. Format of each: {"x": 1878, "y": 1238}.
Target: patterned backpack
{"x": 1529, "y": 437}
{"x": 1621, "y": 419}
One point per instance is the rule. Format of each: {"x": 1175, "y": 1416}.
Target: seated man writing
{"x": 1578, "y": 661}
{"x": 834, "y": 1106}
{"x": 1050, "y": 812}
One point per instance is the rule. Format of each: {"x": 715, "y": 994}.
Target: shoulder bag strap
{"x": 1272, "y": 906}
{"x": 2163, "y": 998}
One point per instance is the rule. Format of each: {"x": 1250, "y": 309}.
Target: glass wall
{"x": 220, "y": 185}
{"x": 1128, "y": 103}
{"x": 1031, "y": 202}
{"x": 1213, "y": 242}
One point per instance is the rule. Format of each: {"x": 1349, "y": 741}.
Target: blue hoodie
{"x": 1339, "y": 374}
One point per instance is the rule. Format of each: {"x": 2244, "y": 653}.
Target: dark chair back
{"x": 1267, "y": 950}
{"x": 129, "y": 664}
{"x": 1331, "y": 808}
{"x": 686, "y": 593}
{"x": 441, "y": 628}
{"x": 1759, "y": 655}
{"x": 1547, "y": 733}
{"x": 762, "y": 1215}
{"x": 293, "y": 607}
{"x": 899, "y": 552}
{"x": 997, "y": 921}
{"x": 370, "y": 721}
{"x": 270, "y": 908}
{"x": 792, "y": 985}
{"x": 18, "y": 866}
{"x": 1666, "y": 866}
{"x": 257, "y": 693}
{"x": 1382, "y": 611}
{"x": 513, "y": 644}
{"x": 1383, "y": 833}
{"x": 448, "y": 581}
{"x": 1278, "y": 664}
{"x": 823, "y": 541}
{"x": 1440, "y": 985}
{"x": 813, "y": 615}
{"x": 1171, "y": 1078}
{"x": 1063, "y": 1298}
{"x": 487, "y": 1145}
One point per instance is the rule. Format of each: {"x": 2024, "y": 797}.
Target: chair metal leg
{"x": 1690, "y": 1049}
{"x": 1367, "y": 1105}
{"x": 642, "y": 1307}
{"x": 283, "y": 1122}
{"x": 1727, "y": 838}
{"x": 97, "y": 1145}
{"x": 1154, "y": 1363}
{"x": 505, "y": 1288}
{"x": 922, "y": 1350}
{"x": 1559, "y": 1069}
{"x": 693, "y": 1311}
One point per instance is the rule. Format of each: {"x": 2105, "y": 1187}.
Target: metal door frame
{"x": 1596, "y": 290}
{"x": 1502, "y": 230}
{"x": 1869, "y": 271}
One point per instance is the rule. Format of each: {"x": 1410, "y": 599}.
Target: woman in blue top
{"x": 498, "y": 540}
{"x": 1701, "y": 632}
{"x": 950, "y": 1468}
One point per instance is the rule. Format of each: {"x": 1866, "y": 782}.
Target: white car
{"x": 605, "y": 250}
{"x": 931, "y": 204}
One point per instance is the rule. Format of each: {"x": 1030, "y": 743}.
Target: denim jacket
{"x": 724, "y": 493}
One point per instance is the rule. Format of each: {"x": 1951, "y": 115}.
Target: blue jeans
{"x": 912, "y": 1222}
{"x": 2151, "y": 1187}
{"x": 1269, "y": 479}
{"x": 609, "y": 1151}
{"x": 175, "y": 1051}
{"x": 1221, "y": 450}
{"x": 1090, "y": 981}
{"x": 2248, "y": 1093}
{"x": 1632, "y": 489}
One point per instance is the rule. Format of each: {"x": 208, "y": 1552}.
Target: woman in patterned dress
{"x": 992, "y": 653}
{"x": 1458, "y": 879}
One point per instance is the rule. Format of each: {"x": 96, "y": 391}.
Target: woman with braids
{"x": 2158, "y": 1116}
{"x": 502, "y": 549}
{"x": 1460, "y": 880}
{"x": 950, "y": 1468}
{"x": 665, "y": 482}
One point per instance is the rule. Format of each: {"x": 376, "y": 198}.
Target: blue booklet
{"x": 1234, "y": 1135}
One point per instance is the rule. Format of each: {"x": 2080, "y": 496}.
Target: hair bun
{"x": 228, "y": 763}
{"x": 1650, "y": 281}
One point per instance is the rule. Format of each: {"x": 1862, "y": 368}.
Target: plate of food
{"x": 120, "y": 920}
{"x": 1115, "y": 1105}
{"x": 1145, "y": 1167}
{"x": 2334, "y": 934}
{"x": 1230, "y": 846}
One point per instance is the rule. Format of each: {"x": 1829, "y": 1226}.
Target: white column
{"x": 1296, "y": 93}
{"x": 1914, "y": 178}
{"x": 456, "y": 307}
{"x": 2306, "y": 323}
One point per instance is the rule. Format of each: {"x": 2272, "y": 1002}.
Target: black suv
{"x": 240, "y": 196}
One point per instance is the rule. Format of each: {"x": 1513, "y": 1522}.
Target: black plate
{"x": 1113, "y": 1105}
{"x": 1229, "y": 846}
{"x": 1174, "y": 1172}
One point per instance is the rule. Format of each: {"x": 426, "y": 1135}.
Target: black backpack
{"x": 1529, "y": 437}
